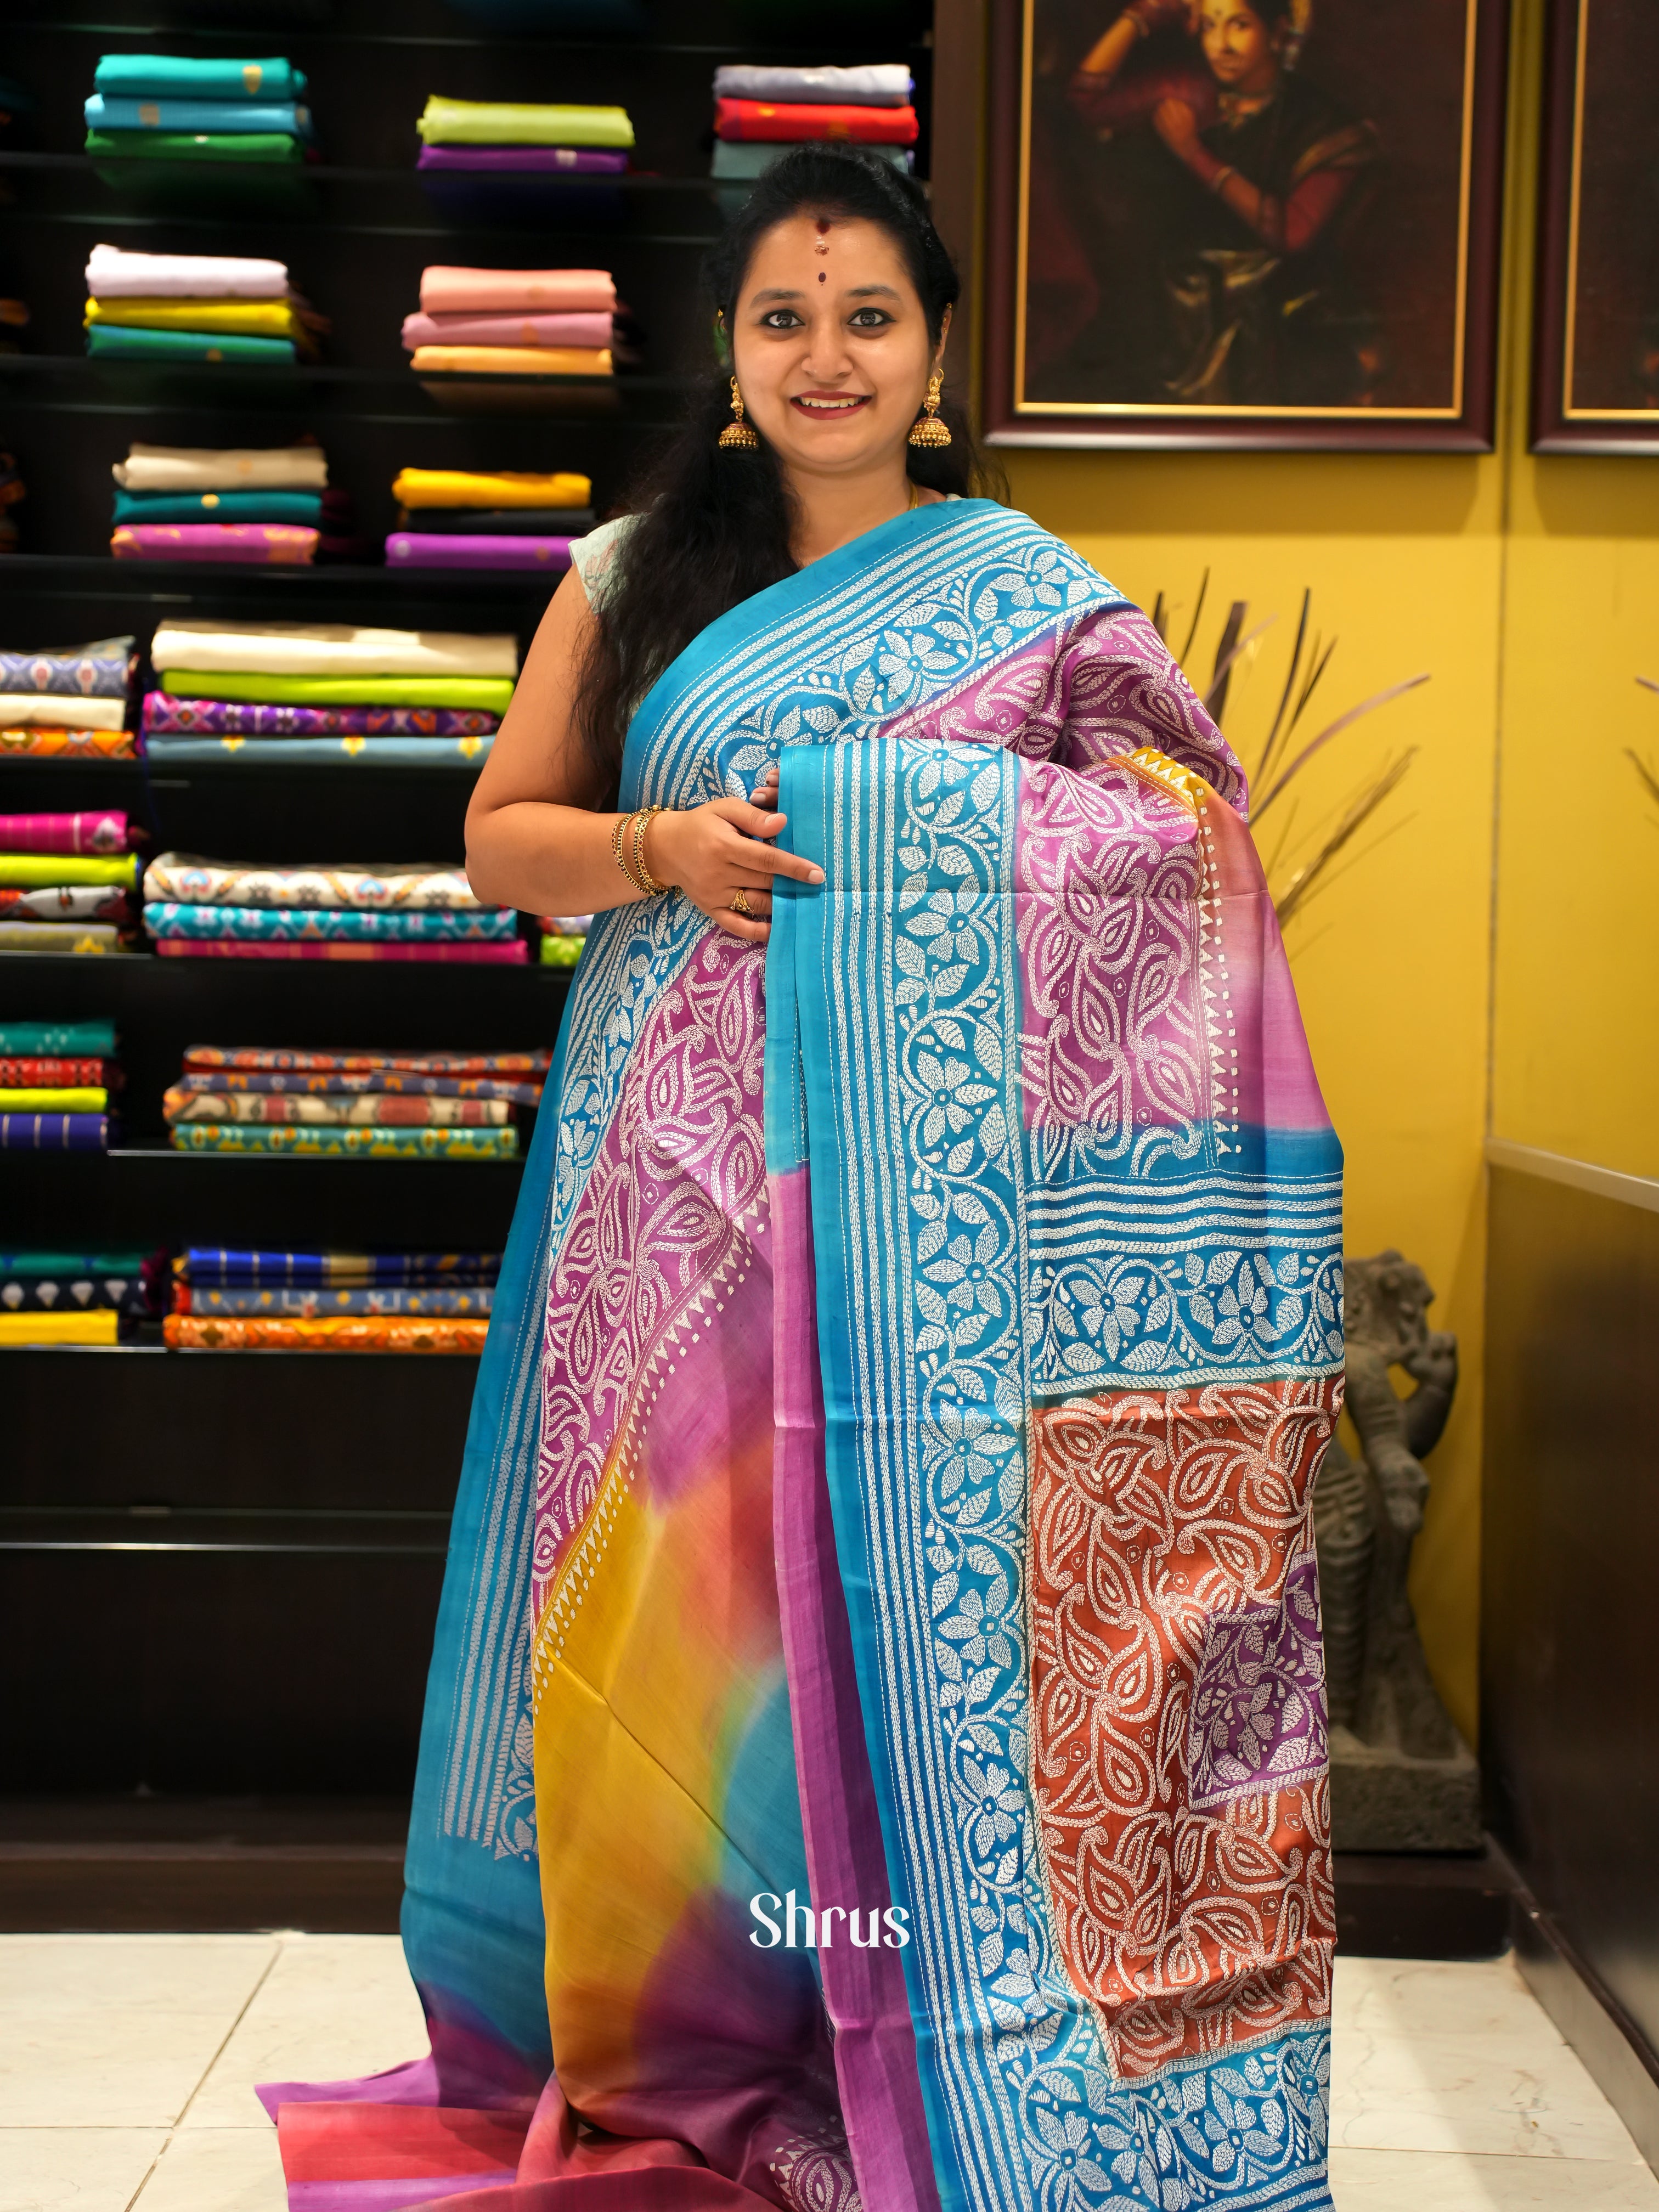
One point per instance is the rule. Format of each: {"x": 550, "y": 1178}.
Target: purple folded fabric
{"x": 417, "y": 548}
{"x": 528, "y": 160}
{"x": 506, "y": 330}
{"x": 164, "y": 715}
{"x": 284, "y": 542}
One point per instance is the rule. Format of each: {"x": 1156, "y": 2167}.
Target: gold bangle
{"x": 617, "y": 836}
{"x": 646, "y": 881}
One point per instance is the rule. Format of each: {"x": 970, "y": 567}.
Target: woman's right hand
{"x": 712, "y": 852}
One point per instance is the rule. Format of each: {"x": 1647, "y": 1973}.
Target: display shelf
{"x": 286, "y": 1649}
{"x": 329, "y": 578}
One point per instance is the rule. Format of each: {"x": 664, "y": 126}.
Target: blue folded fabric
{"x": 323, "y": 753}
{"x": 301, "y": 506}
{"x": 177, "y": 77}
{"x": 113, "y": 341}
{"x": 203, "y": 115}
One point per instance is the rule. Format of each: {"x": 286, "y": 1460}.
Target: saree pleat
{"x": 873, "y": 1753}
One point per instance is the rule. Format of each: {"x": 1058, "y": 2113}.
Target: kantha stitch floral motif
{"x": 1179, "y": 1768}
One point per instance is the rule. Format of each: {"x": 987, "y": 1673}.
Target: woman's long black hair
{"x": 714, "y": 524}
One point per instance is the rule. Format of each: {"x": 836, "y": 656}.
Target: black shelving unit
{"x": 233, "y": 1560}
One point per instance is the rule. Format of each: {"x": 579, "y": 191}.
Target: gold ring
{"x": 740, "y": 902}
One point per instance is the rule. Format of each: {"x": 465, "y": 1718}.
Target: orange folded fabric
{"x": 796, "y": 121}
{"x": 68, "y": 745}
{"x": 187, "y": 1332}
{"x": 516, "y": 291}
{"x": 514, "y": 360}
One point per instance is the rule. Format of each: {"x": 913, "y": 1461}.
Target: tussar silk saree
{"x": 875, "y": 1746}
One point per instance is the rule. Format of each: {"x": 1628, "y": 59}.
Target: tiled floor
{"x": 127, "y": 2065}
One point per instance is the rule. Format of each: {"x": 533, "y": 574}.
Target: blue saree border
{"x": 1022, "y": 2105}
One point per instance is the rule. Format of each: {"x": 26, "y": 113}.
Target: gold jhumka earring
{"x": 927, "y": 429}
{"x": 738, "y": 436}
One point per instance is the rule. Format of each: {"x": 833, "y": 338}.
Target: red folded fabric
{"x": 769, "y": 120}
{"x": 237, "y": 948}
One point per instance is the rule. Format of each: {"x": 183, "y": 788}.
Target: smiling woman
{"x": 887, "y": 1489}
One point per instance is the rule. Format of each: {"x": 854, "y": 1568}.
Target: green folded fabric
{"x": 491, "y": 694}
{"x": 305, "y": 507}
{"x": 181, "y": 77}
{"x": 371, "y": 1143}
{"x": 115, "y": 342}
{"x": 28, "y": 871}
{"x": 514, "y": 122}
{"x": 195, "y": 145}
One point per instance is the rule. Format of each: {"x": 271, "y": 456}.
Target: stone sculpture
{"x": 1402, "y": 1777}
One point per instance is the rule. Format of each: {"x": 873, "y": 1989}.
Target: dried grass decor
{"x": 1302, "y": 863}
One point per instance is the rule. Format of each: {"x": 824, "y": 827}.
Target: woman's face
{"x": 1242, "y": 51}
{"x": 829, "y": 344}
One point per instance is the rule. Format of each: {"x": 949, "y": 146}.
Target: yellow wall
{"x": 1529, "y": 590}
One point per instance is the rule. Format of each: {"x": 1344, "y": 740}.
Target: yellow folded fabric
{"x": 57, "y": 1328}
{"x": 517, "y": 123}
{"x": 514, "y": 360}
{"x": 44, "y": 871}
{"x": 271, "y": 318}
{"x": 74, "y": 1098}
{"x": 480, "y": 488}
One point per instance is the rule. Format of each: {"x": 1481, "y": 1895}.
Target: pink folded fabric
{"x": 516, "y": 291}
{"x": 553, "y": 329}
{"x": 407, "y": 549}
{"x": 64, "y": 833}
{"x": 507, "y": 954}
{"x": 278, "y": 543}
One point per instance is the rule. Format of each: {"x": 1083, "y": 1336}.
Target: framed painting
{"x": 1269, "y": 223}
{"x": 1596, "y": 356}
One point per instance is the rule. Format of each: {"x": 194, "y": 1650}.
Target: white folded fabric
{"x": 45, "y": 710}
{"x": 330, "y": 649}
{"x": 233, "y": 468}
{"x": 873, "y": 84}
{"x": 114, "y": 274}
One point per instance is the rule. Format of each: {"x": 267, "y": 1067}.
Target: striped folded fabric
{"x": 461, "y": 1302}
{"x": 54, "y": 1132}
{"x": 189, "y": 1332}
{"x": 377, "y": 1110}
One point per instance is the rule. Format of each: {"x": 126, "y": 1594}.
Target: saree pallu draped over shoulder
{"x": 875, "y": 1747}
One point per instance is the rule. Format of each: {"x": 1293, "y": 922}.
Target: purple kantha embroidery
{"x": 1258, "y": 1711}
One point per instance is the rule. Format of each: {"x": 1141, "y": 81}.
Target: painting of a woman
{"x": 1259, "y": 181}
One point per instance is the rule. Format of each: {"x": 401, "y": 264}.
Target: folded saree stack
{"x": 326, "y": 694}
{"x": 79, "y": 1298}
{"x": 456, "y": 519}
{"x": 198, "y": 307}
{"x": 760, "y": 113}
{"x": 67, "y": 883}
{"x": 205, "y": 111}
{"x": 320, "y": 1301}
{"x": 68, "y": 701}
{"x": 369, "y": 1104}
{"x": 509, "y": 161}
{"x": 56, "y": 1082}
{"x": 545, "y": 326}
{"x": 401, "y": 911}
{"x": 270, "y": 505}
{"x": 13, "y": 492}
{"x": 564, "y": 938}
